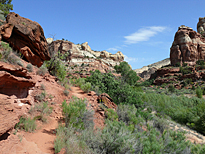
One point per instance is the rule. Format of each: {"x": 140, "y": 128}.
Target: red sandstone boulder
{"x": 27, "y": 37}
{"x": 188, "y": 46}
{"x": 14, "y": 80}
{"x": 8, "y": 116}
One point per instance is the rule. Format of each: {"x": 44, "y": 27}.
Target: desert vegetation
{"x": 133, "y": 128}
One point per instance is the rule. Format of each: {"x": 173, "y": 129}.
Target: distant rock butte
{"x": 201, "y": 26}
{"x": 25, "y": 36}
{"x": 78, "y": 54}
{"x": 188, "y": 46}
{"x": 146, "y": 71}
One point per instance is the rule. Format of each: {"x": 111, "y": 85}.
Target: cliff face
{"x": 188, "y": 46}
{"x": 82, "y": 54}
{"x": 146, "y": 71}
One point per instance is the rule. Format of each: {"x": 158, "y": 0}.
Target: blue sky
{"x": 143, "y": 30}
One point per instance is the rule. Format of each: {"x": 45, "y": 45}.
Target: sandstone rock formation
{"x": 146, "y": 71}
{"x": 201, "y": 26}
{"x": 188, "y": 46}
{"x": 15, "y": 84}
{"x": 81, "y": 54}
{"x": 25, "y": 36}
{"x": 14, "y": 80}
{"x": 8, "y": 117}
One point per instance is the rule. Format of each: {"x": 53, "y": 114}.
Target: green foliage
{"x": 28, "y": 124}
{"x": 6, "y": 6}
{"x": 86, "y": 87}
{"x": 111, "y": 114}
{"x": 199, "y": 92}
{"x": 184, "y": 64}
{"x": 118, "y": 90}
{"x": 194, "y": 88}
{"x": 67, "y": 138}
{"x": 128, "y": 75}
{"x": 41, "y": 108}
{"x": 66, "y": 92}
{"x": 63, "y": 56}
{"x": 57, "y": 68}
{"x": 40, "y": 97}
{"x": 29, "y": 67}
{"x": 200, "y": 62}
{"x": 177, "y": 64}
{"x": 75, "y": 113}
{"x": 171, "y": 88}
{"x": 185, "y": 70}
{"x": 146, "y": 83}
{"x": 7, "y": 55}
{"x": 42, "y": 70}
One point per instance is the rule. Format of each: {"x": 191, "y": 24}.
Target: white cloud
{"x": 143, "y": 34}
{"x": 112, "y": 49}
{"x": 129, "y": 59}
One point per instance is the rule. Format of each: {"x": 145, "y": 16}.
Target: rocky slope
{"x": 146, "y": 71}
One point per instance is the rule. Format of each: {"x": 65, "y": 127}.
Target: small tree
{"x": 6, "y": 6}
{"x": 199, "y": 92}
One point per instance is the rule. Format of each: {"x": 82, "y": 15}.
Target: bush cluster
{"x": 8, "y": 55}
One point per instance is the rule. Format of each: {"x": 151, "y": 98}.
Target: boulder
{"x": 188, "y": 47}
{"x": 49, "y": 40}
{"x": 104, "y": 54}
{"x": 27, "y": 37}
{"x": 85, "y": 46}
{"x": 14, "y": 81}
{"x": 8, "y": 116}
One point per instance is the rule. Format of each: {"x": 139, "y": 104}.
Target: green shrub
{"x": 194, "y": 88}
{"x": 67, "y": 138}
{"x": 57, "y": 68}
{"x": 127, "y": 73}
{"x": 200, "y": 62}
{"x": 111, "y": 114}
{"x": 43, "y": 87}
{"x": 199, "y": 92}
{"x": 42, "y": 108}
{"x": 42, "y": 70}
{"x": 185, "y": 70}
{"x": 177, "y": 64}
{"x": 117, "y": 89}
{"x": 18, "y": 62}
{"x": 75, "y": 113}
{"x": 40, "y": 97}
{"x": 86, "y": 87}
{"x": 29, "y": 67}
{"x": 28, "y": 124}
{"x": 171, "y": 88}
{"x": 65, "y": 92}
{"x": 184, "y": 64}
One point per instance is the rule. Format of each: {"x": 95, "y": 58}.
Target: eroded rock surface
{"x": 27, "y": 37}
{"x": 81, "y": 54}
{"x": 146, "y": 71}
{"x": 107, "y": 101}
{"x": 201, "y": 26}
{"x": 188, "y": 46}
{"x": 14, "y": 80}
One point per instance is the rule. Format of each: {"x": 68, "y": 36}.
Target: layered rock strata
{"x": 188, "y": 47}
{"x": 25, "y": 36}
